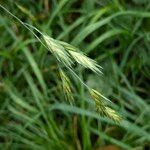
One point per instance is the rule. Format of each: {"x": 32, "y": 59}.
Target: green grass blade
{"x": 35, "y": 69}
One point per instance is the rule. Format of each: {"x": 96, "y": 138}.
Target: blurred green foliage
{"x": 33, "y": 110}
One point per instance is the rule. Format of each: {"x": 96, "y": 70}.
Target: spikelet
{"x": 68, "y": 46}
{"x": 85, "y": 61}
{"x": 81, "y": 58}
{"x": 102, "y": 108}
{"x": 66, "y": 87}
{"x": 58, "y": 50}
{"x": 112, "y": 114}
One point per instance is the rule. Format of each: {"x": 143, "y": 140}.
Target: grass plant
{"x": 50, "y": 52}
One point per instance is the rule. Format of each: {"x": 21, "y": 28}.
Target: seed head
{"x": 85, "y": 61}
{"x": 102, "y": 108}
{"x": 58, "y": 50}
{"x": 112, "y": 114}
{"x": 81, "y": 58}
{"x": 66, "y": 87}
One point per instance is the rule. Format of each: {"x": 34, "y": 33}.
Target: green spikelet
{"x": 102, "y": 108}
{"x": 66, "y": 84}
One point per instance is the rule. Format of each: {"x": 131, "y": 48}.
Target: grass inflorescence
{"x": 46, "y": 45}
{"x": 63, "y": 52}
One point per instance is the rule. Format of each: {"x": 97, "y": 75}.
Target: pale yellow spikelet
{"x": 102, "y": 108}
{"x": 66, "y": 87}
{"x": 99, "y": 103}
{"x": 112, "y": 114}
{"x": 58, "y": 50}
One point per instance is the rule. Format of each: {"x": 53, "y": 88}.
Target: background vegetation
{"x": 33, "y": 111}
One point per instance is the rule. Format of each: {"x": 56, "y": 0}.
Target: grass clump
{"x": 33, "y": 110}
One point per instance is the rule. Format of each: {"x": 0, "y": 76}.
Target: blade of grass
{"x": 91, "y": 28}
{"x": 18, "y": 100}
{"x": 40, "y": 104}
{"x": 103, "y": 37}
{"x": 110, "y": 139}
{"x": 124, "y": 124}
{"x": 35, "y": 69}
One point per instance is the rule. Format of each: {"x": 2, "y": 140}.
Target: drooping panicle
{"x": 66, "y": 53}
